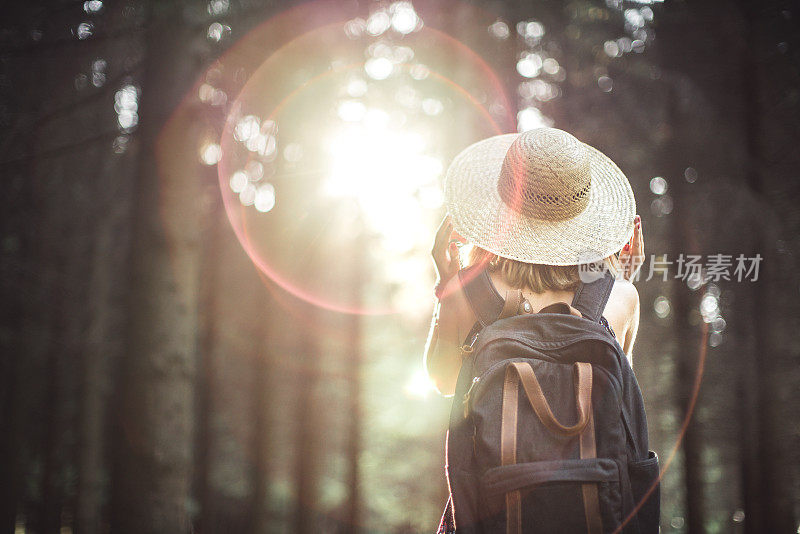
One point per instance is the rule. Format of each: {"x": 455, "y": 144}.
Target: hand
{"x": 445, "y": 251}
{"x": 631, "y": 257}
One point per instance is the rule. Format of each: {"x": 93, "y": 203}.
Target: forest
{"x": 216, "y": 219}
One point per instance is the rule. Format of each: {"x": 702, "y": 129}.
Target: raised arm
{"x": 443, "y": 350}
{"x": 631, "y": 258}
{"x": 632, "y": 329}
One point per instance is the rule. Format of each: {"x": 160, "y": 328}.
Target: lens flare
{"x": 352, "y": 137}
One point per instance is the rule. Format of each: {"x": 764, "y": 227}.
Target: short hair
{"x": 536, "y": 276}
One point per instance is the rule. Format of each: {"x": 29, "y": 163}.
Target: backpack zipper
{"x": 467, "y": 349}
{"x": 475, "y": 381}
{"x": 468, "y": 393}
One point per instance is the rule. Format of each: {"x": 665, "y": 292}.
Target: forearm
{"x": 442, "y": 358}
{"x": 630, "y": 335}
{"x": 433, "y": 338}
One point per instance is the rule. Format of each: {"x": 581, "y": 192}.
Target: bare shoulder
{"x": 625, "y": 293}
{"x": 626, "y": 297}
{"x": 622, "y": 308}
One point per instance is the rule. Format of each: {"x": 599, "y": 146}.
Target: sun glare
{"x": 369, "y": 113}
{"x": 386, "y": 170}
{"x": 419, "y": 385}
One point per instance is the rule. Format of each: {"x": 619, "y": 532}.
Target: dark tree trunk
{"x": 691, "y": 347}
{"x": 767, "y": 483}
{"x": 306, "y": 519}
{"x": 102, "y": 345}
{"x": 153, "y": 450}
{"x": 27, "y": 281}
{"x": 21, "y": 224}
{"x": 205, "y": 379}
{"x": 18, "y": 225}
{"x": 354, "y": 359}
{"x": 751, "y": 373}
{"x": 261, "y": 407}
{"x": 60, "y": 235}
{"x": 92, "y": 391}
{"x": 50, "y": 515}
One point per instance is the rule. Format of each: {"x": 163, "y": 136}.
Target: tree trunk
{"x": 49, "y": 519}
{"x": 154, "y": 453}
{"x": 102, "y": 349}
{"x": 205, "y": 379}
{"x": 354, "y": 359}
{"x": 690, "y": 347}
{"x": 261, "y": 432}
{"x": 305, "y": 467}
{"x": 675, "y": 39}
{"x": 768, "y": 488}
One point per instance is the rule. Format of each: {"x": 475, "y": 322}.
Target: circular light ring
{"x": 237, "y": 218}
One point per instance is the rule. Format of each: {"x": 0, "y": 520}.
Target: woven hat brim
{"x": 480, "y": 215}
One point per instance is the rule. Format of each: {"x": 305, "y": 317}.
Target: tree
{"x": 153, "y": 448}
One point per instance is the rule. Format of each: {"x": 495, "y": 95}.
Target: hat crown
{"x": 546, "y": 174}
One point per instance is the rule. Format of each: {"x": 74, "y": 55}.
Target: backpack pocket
{"x": 549, "y": 478}
{"x": 645, "y": 486}
{"x": 550, "y": 493}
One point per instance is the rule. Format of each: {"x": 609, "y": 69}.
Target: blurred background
{"x": 216, "y": 219}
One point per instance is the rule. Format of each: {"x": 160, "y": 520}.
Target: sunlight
{"x": 365, "y": 130}
{"x": 210, "y": 153}
{"x": 419, "y": 385}
{"x": 387, "y": 171}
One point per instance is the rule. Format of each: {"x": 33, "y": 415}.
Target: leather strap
{"x": 512, "y": 304}
{"x": 591, "y": 500}
{"x": 522, "y": 371}
{"x": 583, "y": 397}
{"x": 508, "y": 448}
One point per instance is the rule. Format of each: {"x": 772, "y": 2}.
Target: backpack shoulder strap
{"x": 483, "y": 298}
{"x": 590, "y": 299}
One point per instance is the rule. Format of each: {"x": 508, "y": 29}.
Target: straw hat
{"x": 540, "y": 197}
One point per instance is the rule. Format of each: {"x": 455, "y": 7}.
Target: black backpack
{"x": 547, "y": 431}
